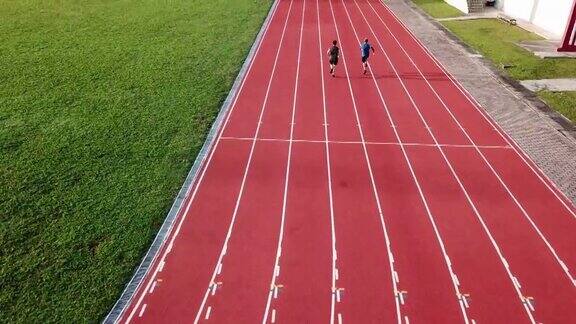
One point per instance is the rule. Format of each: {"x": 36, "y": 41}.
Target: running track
{"x": 384, "y": 198}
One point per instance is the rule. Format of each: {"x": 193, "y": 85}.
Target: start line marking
{"x": 229, "y": 138}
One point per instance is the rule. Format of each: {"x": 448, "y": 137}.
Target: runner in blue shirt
{"x": 366, "y": 47}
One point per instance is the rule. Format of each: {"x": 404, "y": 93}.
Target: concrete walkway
{"x": 550, "y": 84}
{"x": 486, "y": 14}
{"x": 545, "y": 49}
{"x": 548, "y": 138}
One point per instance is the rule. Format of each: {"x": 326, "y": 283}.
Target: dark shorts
{"x": 365, "y": 58}
{"x": 334, "y": 60}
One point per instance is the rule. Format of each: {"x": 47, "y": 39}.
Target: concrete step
{"x": 475, "y": 5}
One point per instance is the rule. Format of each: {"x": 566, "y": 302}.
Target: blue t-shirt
{"x": 365, "y": 49}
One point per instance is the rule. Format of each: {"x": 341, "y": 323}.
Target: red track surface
{"x": 379, "y": 198}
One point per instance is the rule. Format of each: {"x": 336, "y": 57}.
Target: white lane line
{"x": 449, "y": 164}
{"x": 401, "y": 297}
{"x": 153, "y": 286}
{"x": 335, "y": 272}
{"x": 465, "y": 300}
{"x": 288, "y": 169}
{"x": 563, "y": 265}
{"x": 442, "y": 145}
{"x": 142, "y": 310}
{"x": 417, "y": 183}
{"x": 369, "y": 165}
{"x": 481, "y": 154}
{"x": 248, "y": 164}
{"x": 208, "y": 312}
{"x": 339, "y": 318}
{"x": 456, "y": 279}
{"x": 406, "y": 321}
{"x": 517, "y": 282}
{"x": 273, "y": 316}
{"x": 174, "y": 234}
{"x": 528, "y": 301}
{"x": 565, "y": 201}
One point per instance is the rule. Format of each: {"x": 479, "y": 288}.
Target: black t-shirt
{"x": 334, "y": 51}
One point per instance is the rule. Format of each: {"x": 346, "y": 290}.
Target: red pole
{"x": 569, "y": 42}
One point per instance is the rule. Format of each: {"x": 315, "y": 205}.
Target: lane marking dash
{"x": 142, "y": 310}
{"x": 153, "y": 286}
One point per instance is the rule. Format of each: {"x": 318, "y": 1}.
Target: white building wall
{"x": 462, "y": 5}
{"x": 519, "y": 9}
{"x": 550, "y": 15}
{"x": 553, "y": 15}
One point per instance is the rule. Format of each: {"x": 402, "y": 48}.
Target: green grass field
{"x": 497, "y": 41}
{"x": 564, "y": 102}
{"x": 103, "y": 107}
{"x": 438, "y": 8}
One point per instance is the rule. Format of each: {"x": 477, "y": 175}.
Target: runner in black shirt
{"x": 333, "y": 52}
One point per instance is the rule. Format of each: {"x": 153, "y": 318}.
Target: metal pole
{"x": 569, "y": 42}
